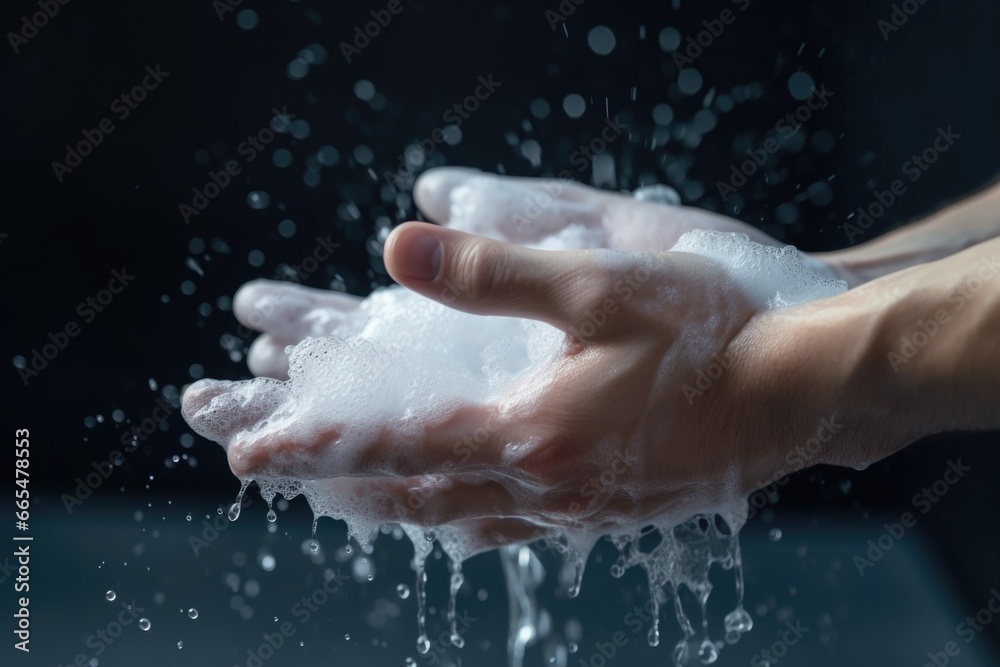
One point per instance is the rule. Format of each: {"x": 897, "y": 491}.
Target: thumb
{"x": 489, "y": 277}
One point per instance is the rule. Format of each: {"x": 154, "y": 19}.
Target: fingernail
{"x": 419, "y": 255}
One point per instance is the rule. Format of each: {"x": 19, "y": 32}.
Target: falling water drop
{"x": 234, "y": 509}
{"x": 110, "y": 596}
{"x": 708, "y": 653}
{"x": 456, "y": 583}
{"x": 180, "y": 644}
{"x": 192, "y": 613}
{"x": 272, "y": 516}
{"x": 144, "y": 624}
{"x": 403, "y": 591}
{"x": 680, "y": 654}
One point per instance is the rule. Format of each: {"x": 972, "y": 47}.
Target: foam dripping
{"x": 403, "y": 359}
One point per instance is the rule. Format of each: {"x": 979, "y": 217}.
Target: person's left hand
{"x": 523, "y": 211}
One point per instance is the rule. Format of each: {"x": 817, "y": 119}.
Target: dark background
{"x": 120, "y": 208}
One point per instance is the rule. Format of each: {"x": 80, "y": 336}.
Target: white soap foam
{"x": 402, "y": 361}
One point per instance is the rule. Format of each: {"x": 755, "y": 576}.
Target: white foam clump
{"x": 401, "y": 361}
{"x": 776, "y": 277}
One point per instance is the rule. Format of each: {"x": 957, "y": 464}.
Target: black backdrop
{"x": 119, "y": 208}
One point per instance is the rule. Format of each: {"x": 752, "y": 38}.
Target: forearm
{"x": 954, "y": 228}
{"x": 927, "y": 359}
{"x": 902, "y": 357}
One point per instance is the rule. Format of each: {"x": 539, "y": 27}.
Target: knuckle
{"x": 485, "y": 270}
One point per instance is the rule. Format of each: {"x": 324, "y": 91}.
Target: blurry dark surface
{"x": 120, "y": 208}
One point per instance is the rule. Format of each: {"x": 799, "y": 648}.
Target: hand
{"x": 604, "y": 437}
{"x": 525, "y": 211}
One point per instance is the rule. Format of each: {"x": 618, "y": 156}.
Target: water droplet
{"x": 110, "y": 596}
{"x": 144, "y": 624}
{"x": 774, "y": 534}
{"x": 572, "y": 647}
{"x": 180, "y": 644}
{"x": 680, "y": 654}
{"x": 258, "y": 199}
{"x": 234, "y": 511}
{"x": 313, "y": 546}
{"x": 348, "y": 549}
{"x": 708, "y": 653}
{"x": 739, "y": 621}
{"x": 272, "y": 516}
{"x": 347, "y": 636}
{"x": 423, "y": 644}
{"x": 192, "y": 613}
{"x": 403, "y": 591}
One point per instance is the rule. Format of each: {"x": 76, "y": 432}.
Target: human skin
{"x": 618, "y": 395}
{"x": 286, "y": 313}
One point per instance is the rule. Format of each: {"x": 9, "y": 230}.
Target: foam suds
{"x": 400, "y": 361}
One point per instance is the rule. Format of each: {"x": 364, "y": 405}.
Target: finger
{"x": 488, "y": 277}
{"x": 221, "y": 411}
{"x": 468, "y": 440}
{"x": 267, "y": 357}
{"x": 524, "y": 211}
{"x": 433, "y": 188}
{"x": 423, "y": 501}
{"x": 290, "y": 311}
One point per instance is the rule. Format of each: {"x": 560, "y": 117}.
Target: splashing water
{"x": 403, "y": 359}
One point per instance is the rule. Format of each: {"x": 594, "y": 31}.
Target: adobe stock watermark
{"x": 102, "y": 638}
{"x": 924, "y": 500}
{"x": 381, "y": 18}
{"x": 581, "y": 158}
{"x": 212, "y": 529}
{"x": 779, "y": 649}
{"x": 707, "y": 376}
{"x": 594, "y": 488}
{"x": 900, "y": 14}
{"x": 301, "y": 611}
{"x": 31, "y": 24}
{"x": 441, "y": 644}
{"x": 462, "y": 451}
{"x": 627, "y": 286}
{"x": 122, "y": 106}
{"x": 635, "y": 620}
{"x": 968, "y": 630}
{"x": 248, "y": 149}
{"x": 926, "y": 329}
{"x": 224, "y": 7}
{"x": 786, "y": 126}
{"x": 88, "y": 309}
{"x": 914, "y": 168}
{"x": 560, "y": 14}
{"x": 103, "y": 469}
{"x": 696, "y": 45}
{"x": 263, "y": 309}
{"x": 417, "y": 153}
{"x": 796, "y": 459}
